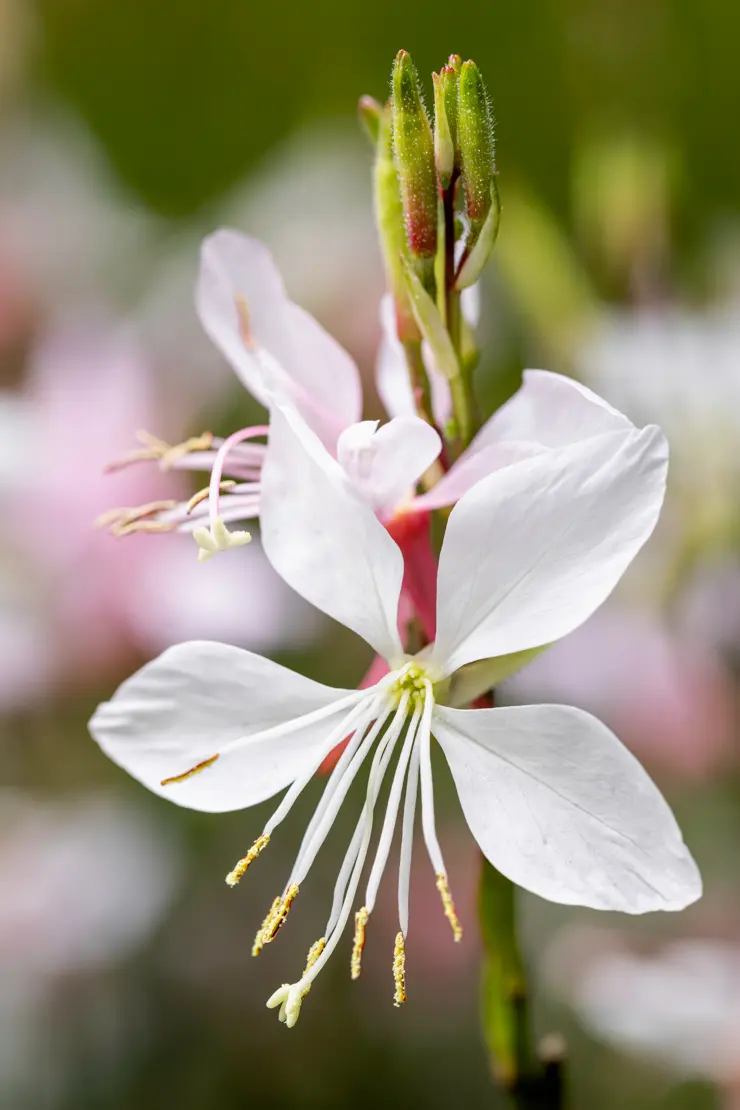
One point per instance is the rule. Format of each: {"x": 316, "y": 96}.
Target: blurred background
{"x": 129, "y": 128}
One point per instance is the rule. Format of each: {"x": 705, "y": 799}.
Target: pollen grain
{"x": 239, "y": 870}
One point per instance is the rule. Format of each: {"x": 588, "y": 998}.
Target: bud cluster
{"x": 430, "y": 170}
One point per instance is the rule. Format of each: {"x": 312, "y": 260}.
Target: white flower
{"x": 556, "y": 803}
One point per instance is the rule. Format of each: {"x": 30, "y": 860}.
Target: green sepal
{"x": 475, "y": 263}
{"x": 370, "y": 112}
{"x": 431, "y": 324}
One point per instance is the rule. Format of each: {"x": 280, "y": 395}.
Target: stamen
{"x": 449, "y": 906}
{"x": 361, "y": 920}
{"x": 202, "y": 494}
{"x": 399, "y": 970}
{"x": 193, "y": 771}
{"x": 259, "y": 941}
{"x": 245, "y": 324}
{"x": 155, "y": 449}
{"x": 121, "y": 521}
{"x": 239, "y": 870}
{"x": 407, "y": 840}
{"x": 277, "y": 919}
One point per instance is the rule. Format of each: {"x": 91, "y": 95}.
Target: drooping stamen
{"x": 290, "y": 997}
{"x": 361, "y": 919}
{"x": 239, "y": 870}
{"x": 391, "y": 813}
{"x": 407, "y": 840}
{"x": 399, "y": 970}
{"x": 258, "y": 940}
{"x": 155, "y": 449}
{"x": 449, "y": 906}
{"x": 199, "y": 767}
{"x": 427, "y": 788}
{"x": 123, "y": 521}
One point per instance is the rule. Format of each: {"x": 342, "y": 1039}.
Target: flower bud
{"x": 370, "y": 112}
{"x": 475, "y": 137}
{"x": 413, "y": 149}
{"x": 445, "y": 123}
{"x": 455, "y": 62}
{"x": 389, "y": 219}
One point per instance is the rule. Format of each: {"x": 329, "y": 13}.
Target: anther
{"x": 121, "y": 521}
{"x": 157, "y": 450}
{"x": 259, "y": 940}
{"x": 193, "y": 771}
{"x": 361, "y": 919}
{"x": 399, "y": 970}
{"x": 236, "y": 874}
{"x": 202, "y": 494}
{"x": 448, "y": 905}
{"x": 277, "y": 920}
{"x": 313, "y": 955}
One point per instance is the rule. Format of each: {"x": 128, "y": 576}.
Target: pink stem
{"x": 411, "y": 533}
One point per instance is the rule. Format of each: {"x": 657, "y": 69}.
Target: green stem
{"x": 419, "y": 379}
{"x": 531, "y": 1082}
{"x": 461, "y": 388}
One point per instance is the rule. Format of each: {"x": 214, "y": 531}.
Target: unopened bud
{"x": 445, "y": 122}
{"x": 413, "y": 150}
{"x": 475, "y": 137}
{"x": 370, "y": 112}
{"x": 455, "y": 62}
{"x": 389, "y": 218}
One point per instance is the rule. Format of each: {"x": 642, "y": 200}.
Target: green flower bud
{"x": 371, "y": 113}
{"x": 475, "y": 137}
{"x": 413, "y": 149}
{"x": 391, "y": 229}
{"x": 445, "y": 123}
{"x": 455, "y": 62}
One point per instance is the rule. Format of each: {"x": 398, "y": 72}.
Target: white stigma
{"x": 218, "y": 538}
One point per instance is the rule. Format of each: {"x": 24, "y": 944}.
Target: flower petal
{"x": 551, "y": 410}
{"x": 562, "y": 808}
{"x": 385, "y": 463}
{"x": 531, "y": 551}
{"x": 240, "y": 290}
{"x": 201, "y": 699}
{"x": 324, "y": 540}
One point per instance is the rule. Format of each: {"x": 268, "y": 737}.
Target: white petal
{"x": 531, "y": 551}
{"x": 471, "y": 468}
{"x": 551, "y": 410}
{"x": 548, "y": 411}
{"x": 324, "y": 540}
{"x": 560, "y": 807}
{"x": 318, "y": 375}
{"x": 385, "y": 464}
{"x": 202, "y": 699}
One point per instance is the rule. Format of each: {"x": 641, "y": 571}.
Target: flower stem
{"x": 464, "y": 406}
{"x": 532, "y": 1080}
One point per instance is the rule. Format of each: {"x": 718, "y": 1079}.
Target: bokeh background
{"x": 128, "y": 128}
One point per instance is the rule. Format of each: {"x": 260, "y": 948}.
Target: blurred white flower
{"x": 678, "y": 1005}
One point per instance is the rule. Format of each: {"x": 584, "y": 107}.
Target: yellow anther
{"x": 259, "y": 940}
{"x": 123, "y": 521}
{"x": 154, "y": 449}
{"x": 245, "y": 324}
{"x": 399, "y": 970}
{"x": 193, "y": 771}
{"x": 448, "y": 905}
{"x": 313, "y": 955}
{"x": 361, "y": 920}
{"x": 217, "y": 538}
{"x": 278, "y": 918}
{"x": 202, "y": 494}
{"x": 259, "y": 845}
